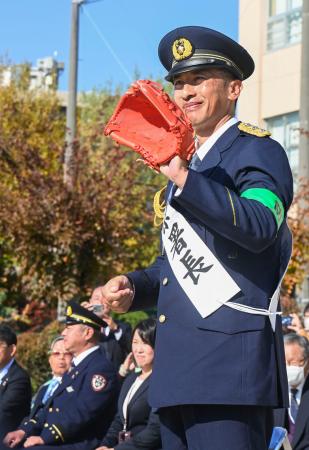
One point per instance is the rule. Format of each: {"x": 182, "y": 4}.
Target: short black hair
{"x": 147, "y": 331}
{"x": 7, "y": 335}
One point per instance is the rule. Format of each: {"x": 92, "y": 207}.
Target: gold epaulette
{"x": 252, "y": 129}
{"x": 159, "y": 206}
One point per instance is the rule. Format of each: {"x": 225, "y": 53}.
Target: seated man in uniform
{"x": 80, "y": 410}
{"x": 60, "y": 361}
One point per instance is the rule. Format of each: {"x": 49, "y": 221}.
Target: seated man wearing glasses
{"x": 60, "y": 362}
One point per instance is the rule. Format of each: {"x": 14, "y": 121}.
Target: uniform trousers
{"x": 216, "y": 427}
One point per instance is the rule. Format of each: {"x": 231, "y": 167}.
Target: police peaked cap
{"x": 77, "y": 314}
{"x": 193, "y": 48}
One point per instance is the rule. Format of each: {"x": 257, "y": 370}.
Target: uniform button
{"x": 162, "y": 318}
{"x": 46, "y": 425}
{"x": 50, "y": 410}
{"x": 165, "y": 281}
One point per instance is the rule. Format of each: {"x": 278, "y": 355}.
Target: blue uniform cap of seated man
{"x": 77, "y": 314}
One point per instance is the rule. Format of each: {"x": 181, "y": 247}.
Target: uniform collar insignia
{"x": 252, "y": 129}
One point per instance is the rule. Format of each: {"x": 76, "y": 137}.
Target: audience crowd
{"x": 96, "y": 397}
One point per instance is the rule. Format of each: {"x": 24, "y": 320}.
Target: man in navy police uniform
{"x": 219, "y": 366}
{"x": 80, "y": 410}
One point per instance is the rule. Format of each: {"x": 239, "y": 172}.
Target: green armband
{"x": 268, "y": 199}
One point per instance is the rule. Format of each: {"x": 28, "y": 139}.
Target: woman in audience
{"x": 135, "y": 425}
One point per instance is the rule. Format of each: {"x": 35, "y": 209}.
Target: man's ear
{"x": 13, "y": 350}
{"x": 89, "y": 333}
{"x": 235, "y": 88}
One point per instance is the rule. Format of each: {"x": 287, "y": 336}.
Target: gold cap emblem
{"x": 182, "y": 49}
{"x": 69, "y": 311}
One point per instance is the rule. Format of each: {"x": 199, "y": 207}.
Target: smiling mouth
{"x": 192, "y": 106}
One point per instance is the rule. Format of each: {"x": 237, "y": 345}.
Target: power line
{"x": 107, "y": 44}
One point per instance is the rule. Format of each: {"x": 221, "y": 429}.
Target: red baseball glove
{"x": 149, "y": 122}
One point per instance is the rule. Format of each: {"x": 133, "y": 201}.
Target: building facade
{"x": 44, "y": 76}
{"x": 271, "y": 30}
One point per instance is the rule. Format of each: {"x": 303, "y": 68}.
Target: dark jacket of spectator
{"x": 141, "y": 421}
{"x": 37, "y": 400}
{"x": 15, "y": 398}
{"x": 117, "y": 349}
{"x": 301, "y": 434}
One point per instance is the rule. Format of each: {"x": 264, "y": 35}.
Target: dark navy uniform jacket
{"x": 81, "y": 408}
{"x": 229, "y": 357}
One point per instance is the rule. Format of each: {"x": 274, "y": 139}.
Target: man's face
{"x": 206, "y": 97}
{"x": 7, "y": 352}
{"x": 294, "y": 356}
{"x": 60, "y": 359}
{"x": 75, "y": 338}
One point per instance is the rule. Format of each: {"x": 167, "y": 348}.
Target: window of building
{"x": 285, "y": 129}
{"x": 284, "y": 23}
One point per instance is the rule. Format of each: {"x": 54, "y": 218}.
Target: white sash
{"x": 201, "y": 275}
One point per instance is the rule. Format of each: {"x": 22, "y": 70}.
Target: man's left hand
{"x": 176, "y": 170}
{"x": 33, "y": 440}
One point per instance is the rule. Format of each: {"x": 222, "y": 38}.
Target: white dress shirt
{"x": 78, "y": 359}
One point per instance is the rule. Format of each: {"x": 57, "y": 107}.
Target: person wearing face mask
{"x": 296, "y": 418}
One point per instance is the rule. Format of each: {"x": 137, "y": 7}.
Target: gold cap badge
{"x": 69, "y": 311}
{"x": 182, "y": 49}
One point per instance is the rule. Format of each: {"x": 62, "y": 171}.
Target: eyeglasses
{"x": 60, "y": 354}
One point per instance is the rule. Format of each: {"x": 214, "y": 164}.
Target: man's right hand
{"x": 117, "y": 293}
{"x": 14, "y": 438}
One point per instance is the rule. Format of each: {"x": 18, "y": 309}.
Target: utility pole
{"x": 69, "y": 156}
{"x": 304, "y": 97}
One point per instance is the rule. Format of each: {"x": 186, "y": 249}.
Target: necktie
{"x": 195, "y": 161}
{"x": 72, "y": 366}
{"x": 50, "y": 389}
{"x": 294, "y": 404}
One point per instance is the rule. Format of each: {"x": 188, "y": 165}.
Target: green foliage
{"x": 32, "y": 353}
{"x": 133, "y": 318}
{"x": 54, "y": 243}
